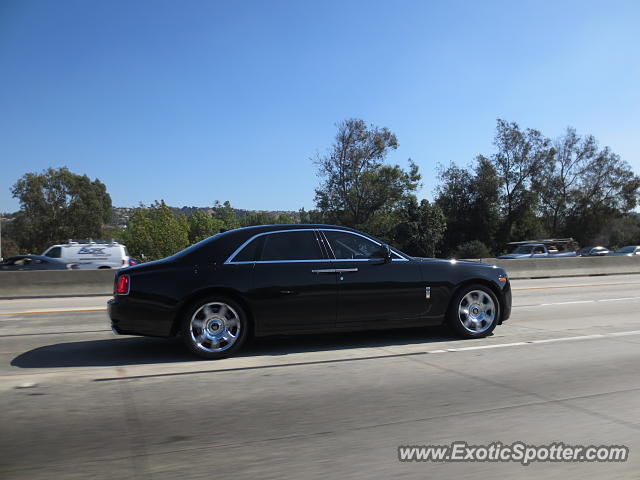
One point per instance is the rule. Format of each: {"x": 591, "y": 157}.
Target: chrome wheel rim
{"x": 477, "y": 311}
{"x": 215, "y": 327}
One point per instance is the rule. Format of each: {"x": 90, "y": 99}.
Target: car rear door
{"x": 290, "y": 292}
{"x": 370, "y": 292}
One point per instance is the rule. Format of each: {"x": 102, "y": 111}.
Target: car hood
{"x": 451, "y": 261}
{"x": 515, "y": 255}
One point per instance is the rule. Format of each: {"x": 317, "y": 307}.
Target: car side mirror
{"x": 385, "y": 255}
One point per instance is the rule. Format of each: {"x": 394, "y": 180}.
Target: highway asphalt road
{"x": 78, "y": 402}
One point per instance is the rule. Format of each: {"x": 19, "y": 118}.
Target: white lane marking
{"x": 54, "y": 310}
{"x": 547, "y": 287}
{"x": 622, "y": 334}
{"x": 569, "y": 303}
{"x": 544, "y": 340}
{"x": 578, "y": 301}
{"x": 389, "y": 354}
{"x": 618, "y": 299}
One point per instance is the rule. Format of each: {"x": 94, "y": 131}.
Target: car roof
{"x": 291, "y": 226}
{"x": 228, "y": 241}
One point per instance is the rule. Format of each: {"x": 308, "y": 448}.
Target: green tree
{"x": 9, "y": 245}
{"x": 227, "y": 214}
{"x": 155, "y": 232}
{"x": 581, "y": 188}
{"x": 521, "y": 156}
{"x": 304, "y": 216}
{"x": 284, "y": 219}
{"x": 420, "y": 228}
{"x": 202, "y": 225}
{"x": 258, "y": 218}
{"x": 356, "y": 182}
{"x": 619, "y": 232}
{"x": 472, "y": 249}
{"x": 469, "y": 199}
{"x": 263, "y": 218}
{"x": 56, "y": 205}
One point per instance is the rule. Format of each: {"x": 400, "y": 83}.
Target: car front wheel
{"x": 214, "y": 327}
{"x": 474, "y": 311}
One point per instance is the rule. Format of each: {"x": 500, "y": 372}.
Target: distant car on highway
{"x": 536, "y": 250}
{"x": 90, "y": 255}
{"x": 628, "y": 251}
{"x": 34, "y": 262}
{"x": 593, "y": 252}
{"x": 287, "y": 279}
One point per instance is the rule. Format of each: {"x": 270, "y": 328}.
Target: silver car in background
{"x": 628, "y": 251}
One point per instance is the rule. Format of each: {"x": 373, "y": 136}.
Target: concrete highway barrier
{"x": 566, "y": 267}
{"x": 100, "y": 282}
{"x": 53, "y": 283}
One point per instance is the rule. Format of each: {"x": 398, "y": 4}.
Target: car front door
{"x": 370, "y": 291}
{"x": 289, "y": 292}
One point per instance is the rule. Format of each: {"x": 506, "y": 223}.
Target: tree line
{"x": 530, "y": 187}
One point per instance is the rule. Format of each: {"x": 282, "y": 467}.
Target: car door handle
{"x": 335, "y": 270}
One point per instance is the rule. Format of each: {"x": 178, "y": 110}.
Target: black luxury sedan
{"x": 285, "y": 279}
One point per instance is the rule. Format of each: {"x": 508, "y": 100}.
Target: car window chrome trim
{"x": 229, "y": 260}
{"x": 246, "y": 262}
{"x": 319, "y": 260}
{"x": 239, "y": 249}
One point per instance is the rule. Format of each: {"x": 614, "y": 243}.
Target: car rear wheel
{"x": 474, "y": 311}
{"x": 214, "y": 327}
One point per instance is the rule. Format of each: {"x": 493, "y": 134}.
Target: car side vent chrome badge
{"x": 427, "y": 293}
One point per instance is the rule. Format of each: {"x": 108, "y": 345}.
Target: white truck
{"x": 90, "y": 255}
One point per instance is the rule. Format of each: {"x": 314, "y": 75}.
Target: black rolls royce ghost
{"x": 284, "y": 279}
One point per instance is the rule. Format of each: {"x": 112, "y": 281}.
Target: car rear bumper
{"x": 130, "y": 317}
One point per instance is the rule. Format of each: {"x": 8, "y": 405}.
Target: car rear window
{"x": 250, "y": 252}
{"x": 301, "y": 245}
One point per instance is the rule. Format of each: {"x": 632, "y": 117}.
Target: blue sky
{"x": 193, "y": 101}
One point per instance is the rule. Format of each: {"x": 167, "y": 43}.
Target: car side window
{"x": 54, "y": 252}
{"x": 301, "y": 245}
{"x": 349, "y": 246}
{"x": 250, "y": 252}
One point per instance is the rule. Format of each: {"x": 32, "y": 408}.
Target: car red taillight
{"x": 122, "y": 286}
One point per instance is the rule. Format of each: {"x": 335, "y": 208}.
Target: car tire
{"x": 214, "y": 327}
{"x": 474, "y": 311}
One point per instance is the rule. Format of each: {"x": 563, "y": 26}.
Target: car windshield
{"x": 523, "y": 249}
{"x": 626, "y": 250}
